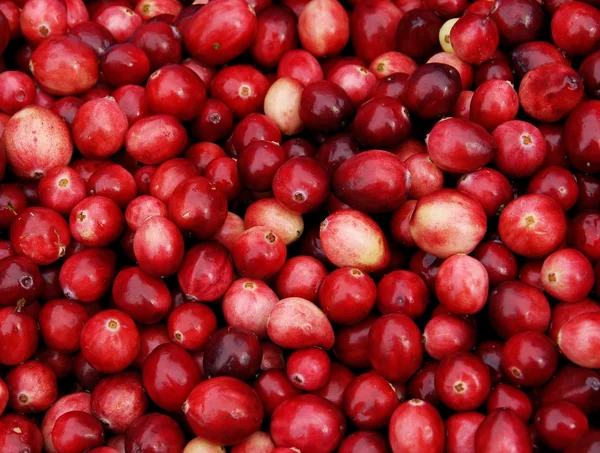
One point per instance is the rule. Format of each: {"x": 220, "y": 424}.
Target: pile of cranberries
{"x": 299, "y": 226}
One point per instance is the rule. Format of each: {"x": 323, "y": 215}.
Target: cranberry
{"x": 155, "y": 139}
{"x": 509, "y": 397}
{"x": 422, "y": 385}
{"x": 110, "y": 341}
{"x": 214, "y": 122}
{"x": 156, "y": 432}
{"x": 61, "y": 322}
{"x": 12, "y": 202}
{"x": 557, "y": 183}
{"x": 18, "y": 433}
{"x": 158, "y": 258}
{"x": 494, "y": 69}
{"x": 365, "y": 442}
{"x": 462, "y": 381}
{"x": 417, "y": 33}
{"x": 516, "y": 307}
{"x": 61, "y": 189}
{"x": 529, "y": 358}
{"x": 351, "y": 343}
{"x": 575, "y": 385}
{"x": 577, "y": 339}
{"x": 369, "y": 401}
{"x": 392, "y": 62}
{"x": 460, "y": 431}
{"x": 518, "y": 21}
{"x": 118, "y": 400}
{"x": 502, "y": 430}
{"x": 125, "y": 64}
{"x": 18, "y": 91}
{"x": 415, "y": 425}
{"x": 445, "y": 335}
{"x": 300, "y": 421}
{"x": 325, "y": 106}
{"x": 32, "y": 387}
{"x": 381, "y": 123}
{"x": 40, "y": 21}
{"x": 20, "y": 281}
{"x": 560, "y": 424}
{"x": 567, "y": 275}
{"x": 301, "y": 66}
{"x": 275, "y": 35}
{"x": 370, "y": 254}
{"x": 86, "y": 276}
{"x": 576, "y": 37}
{"x": 132, "y": 101}
{"x": 19, "y": 336}
{"x": 324, "y": 28}
{"x": 76, "y": 431}
{"x": 488, "y": 186}
{"x": 579, "y": 137}
{"x": 432, "y": 90}
{"x": 300, "y": 276}
{"x": 347, "y": 296}
{"x": 335, "y": 387}
{"x": 532, "y": 225}
{"x": 583, "y": 235}
{"x": 208, "y": 410}
{"x": 491, "y": 353}
{"x": 273, "y": 388}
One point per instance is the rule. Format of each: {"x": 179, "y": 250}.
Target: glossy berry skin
{"x": 432, "y": 90}
{"x": 325, "y": 106}
{"x": 232, "y": 352}
{"x": 462, "y": 381}
{"x": 156, "y": 432}
{"x": 190, "y": 325}
{"x": 567, "y": 275}
{"x": 574, "y": 28}
{"x": 560, "y": 424}
{"x": 529, "y": 359}
{"x": 61, "y": 322}
{"x": 308, "y": 369}
{"x": 460, "y": 431}
{"x": 369, "y": 401}
{"x": 77, "y": 431}
{"x": 169, "y": 374}
{"x": 507, "y": 396}
{"x": 300, "y": 421}
{"x": 416, "y": 426}
{"x": 502, "y": 431}
{"x": 393, "y": 340}
{"x": 21, "y": 281}
{"x": 273, "y": 388}
{"x": 210, "y": 405}
{"x": 578, "y": 338}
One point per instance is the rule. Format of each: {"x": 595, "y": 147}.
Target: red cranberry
{"x": 425, "y": 176}
{"x": 529, "y": 358}
{"x": 191, "y": 325}
{"x": 76, "y": 431}
{"x": 351, "y": 343}
{"x": 335, "y": 150}
{"x": 532, "y": 225}
{"x": 308, "y": 369}
{"x": 61, "y": 189}
{"x": 20, "y": 281}
{"x": 12, "y": 202}
{"x": 155, "y": 139}
{"x": 158, "y": 258}
{"x": 364, "y": 442}
{"x": 432, "y": 90}
{"x": 86, "y": 276}
{"x": 563, "y": 312}
{"x": 258, "y": 163}
{"x": 114, "y": 182}
{"x": 242, "y": 88}
{"x": 509, "y": 397}
{"x": 576, "y": 36}
{"x": 499, "y": 262}
{"x": 446, "y": 145}
{"x": 301, "y": 66}
{"x": 156, "y": 432}
{"x": 381, "y": 123}
{"x": 462, "y": 285}
{"x": 576, "y": 385}
{"x": 61, "y": 322}
{"x": 392, "y": 62}
{"x": 19, "y": 336}
{"x": 589, "y": 73}
{"x": 567, "y": 275}
{"x": 273, "y": 388}
{"x": 518, "y": 21}
{"x": 118, "y": 400}
{"x": 275, "y": 35}
{"x": 110, "y": 341}
{"x": 132, "y": 101}
{"x": 558, "y": 183}
{"x": 560, "y": 424}
{"x": 160, "y": 41}
{"x": 583, "y": 235}
{"x": 32, "y": 387}
{"x": 325, "y": 106}
{"x": 300, "y": 276}
{"x": 169, "y": 375}
{"x": 18, "y": 91}
{"x": 417, "y": 425}
{"x": 460, "y": 431}
{"x": 18, "y": 433}
{"x": 347, "y": 296}
{"x": 335, "y": 387}
{"x": 210, "y": 406}
{"x": 578, "y": 339}
{"x": 445, "y": 335}
{"x": 125, "y": 64}
{"x": 491, "y": 353}
{"x": 96, "y": 221}
{"x": 300, "y": 421}
{"x": 502, "y": 430}
{"x": 417, "y": 33}
{"x": 232, "y": 352}
{"x": 369, "y": 401}
{"x": 516, "y": 307}
{"x": 462, "y": 381}
{"x": 579, "y": 136}
{"x": 422, "y": 385}
{"x": 474, "y": 38}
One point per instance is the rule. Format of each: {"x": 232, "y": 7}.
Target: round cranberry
{"x": 308, "y": 369}
{"x": 381, "y": 123}
{"x": 575, "y": 28}
{"x": 499, "y": 262}
{"x": 308, "y": 422}
{"x": 132, "y": 101}
{"x": 301, "y": 184}
{"x": 146, "y": 299}
{"x": 273, "y": 388}
{"x": 118, "y": 400}
{"x": 560, "y": 424}
{"x": 125, "y": 64}
{"x": 351, "y": 343}
{"x": 61, "y": 189}
{"x": 516, "y": 307}
{"x": 86, "y": 276}
{"x": 567, "y": 275}
{"x": 339, "y": 379}
{"x": 232, "y": 352}
{"x": 432, "y": 90}
{"x": 143, "y": 208}
{"x": 518, "y": 21}
{"x": 77, "y": 61}
{"x": 402, "y": 292}
{"x": 416, "y": 425}
{"x": 364, "y": 442}
{"x": 558, "y": 183}
{"x": 61, "y": 322}
{"x": 584, "y": 231}
{"x": 120, "y": 20}
{"x": 96, "y": 221}
{"x": 335, "y": 150}
{"x": 458, "y": 145}
{"x": 77, "y": 431}
{"x": 19, "y": 336}
{"x": 460, "y": 431}
{"x": 580, "y": 136}
{"x": 242, "y": 88}
{"x": 159, "y": 258}
{"x": 18, "y": 434}
{"x": 18, "y": 91}
{"x": 356, "y": 80}
{"x": 590, "y": 74}
{"x": 32, "y": 387}
{"x": 445, "y": 335}
{"x": 502, "y": 430}
{"x": 160, "y": 41}
{"x": 575, "y": 385}
{"x": 491, "y": 354}
{"x": 191, "y": 325}
{"x": 114, "y": 182}
{"x": 12, "y": 202}
{"x": 197, "y": 206}
{"x": 300, "y": 65}
{"x": 214, "y": 122}
{"x": 509, "y": 397}
{"x": 169, "y": 375}
{"x": 522, "y": 143}
{"x": 259, "y": 253}
{"x": 401, "y": 332}
{"x": 154, "y": 432}
{"x": 474, "y": 38}
{"x": 422, "y": 385}
{"x": 258, "y": 163}
{"x": 369, "y": 401}
{"x": 325, "y": 106}
{"x": 347, "y": 295}
{"x": 462, "y": 285}
{"x": 532, "y": 225}
{"x": 493, "y": 103}
{"x": 417, "y": 33}
{"x": 223, "y": 410}
{"x": 462, "y": 381}
{"x": 529, "y": 359}
{"x": 110, "y": 341}
{"x": 494, "y": 69}
{"x": 578, "y": 339}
